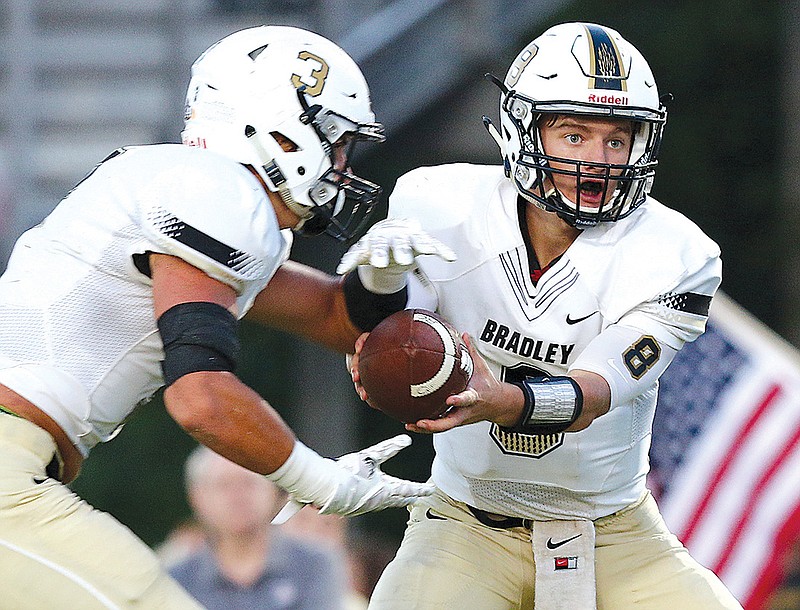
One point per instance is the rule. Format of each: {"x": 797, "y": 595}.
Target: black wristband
{"x": 552, "y": 404}
{"x": 366, "y": 309}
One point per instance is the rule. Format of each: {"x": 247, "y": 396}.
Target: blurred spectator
{"x": 331, "y": 531}
{"x": 244, "y": 562}
{"x": 186, "y": 538}
{"x": 366, "y": 555}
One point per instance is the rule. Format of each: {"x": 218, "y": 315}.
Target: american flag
{"x": 726, "y": 451}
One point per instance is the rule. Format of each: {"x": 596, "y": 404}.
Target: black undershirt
{"x": 536, "y": 269}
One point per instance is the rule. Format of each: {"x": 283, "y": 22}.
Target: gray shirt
{"x": 297, "y": 576}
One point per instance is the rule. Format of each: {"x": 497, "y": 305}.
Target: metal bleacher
{"x": 81, "y": 78}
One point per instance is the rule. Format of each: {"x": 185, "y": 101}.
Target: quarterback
{"x": 575, "y": 289}
{"x": 136, "y": 281}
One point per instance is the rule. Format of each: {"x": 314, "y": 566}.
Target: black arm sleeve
{"x": 198, "y": 336}
{"x": 366, "y": 309}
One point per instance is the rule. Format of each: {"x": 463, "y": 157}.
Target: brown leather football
{"x": 411, "y": 362}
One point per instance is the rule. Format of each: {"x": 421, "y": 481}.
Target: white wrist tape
{"x": 308, "y": 476}
{"x": 385, "y": 280}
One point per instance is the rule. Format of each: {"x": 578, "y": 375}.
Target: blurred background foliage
{"x": 720, "y": 59}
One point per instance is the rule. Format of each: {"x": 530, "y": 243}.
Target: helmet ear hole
{"x": 285, "y": 142}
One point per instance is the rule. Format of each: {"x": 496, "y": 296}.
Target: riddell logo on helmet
{"x": 608, "y": 99}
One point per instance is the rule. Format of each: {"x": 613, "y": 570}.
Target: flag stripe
{"x": 722, "y": 469}
{"x": 725, "y": 452}
{"x": 748, "y": 506}
{"x": 759, "y": 549}
{"x": 770, "y": 579}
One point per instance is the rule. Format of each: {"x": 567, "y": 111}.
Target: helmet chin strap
{"x": 555, "y": 193}
{"x": 534, "y": 201}
{"x": 276, "y": 181}
{"x": 302, "y": 212}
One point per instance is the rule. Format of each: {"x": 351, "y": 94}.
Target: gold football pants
{"x": 449, "y": 560}
{"x": 56, "y": 551}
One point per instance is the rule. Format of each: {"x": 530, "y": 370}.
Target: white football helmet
{"x": 289, "y": 103}
{"x": 579, "y": 69}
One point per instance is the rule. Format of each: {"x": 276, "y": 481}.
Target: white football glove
{"x": 387, "y": 251}
{"x": 350, "y": 485}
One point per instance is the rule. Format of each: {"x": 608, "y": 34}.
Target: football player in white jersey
{"x": 575, "y": 289}
{"x": 136, "y": 281}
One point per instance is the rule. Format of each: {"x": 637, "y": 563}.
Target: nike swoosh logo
{"x": 430, "y": 515}
{"x": 555, "y": 545}
{"x": 576, "y": 320}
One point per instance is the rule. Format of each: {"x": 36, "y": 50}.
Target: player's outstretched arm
{"x": 574, "y": 402}
{"x": 197, "y": 323}
{"x": 486, "y": 398}
{"x": 307, "y": 302}
{"x": 350, "y": 485}
{"x": 332, "y": 310}
{"x": 207, "y": 400}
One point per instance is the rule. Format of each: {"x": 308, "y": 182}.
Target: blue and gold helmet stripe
{"x": 605, "y": 61}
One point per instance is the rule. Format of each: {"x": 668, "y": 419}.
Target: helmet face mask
{"x": 344, "y": 202}
{"x": 283, "y": 100}
{"x": 583, "y": 71}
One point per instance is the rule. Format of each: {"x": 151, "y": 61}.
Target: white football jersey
{"x": 620, "y": 302}
{"x": 78, "y": 335}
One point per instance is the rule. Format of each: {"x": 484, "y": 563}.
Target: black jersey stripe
{"x": 518, "y": 269}
{"x": 514, "y": 280}
{"x": 558, "y": 279}
{"x": 689, "y": 302}
{"x": 563, "y": 282}
{"x": 173, "y": 227}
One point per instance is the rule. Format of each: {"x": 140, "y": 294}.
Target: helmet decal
{"x": 315, "y": 81}
{"x": 605, "y": 61}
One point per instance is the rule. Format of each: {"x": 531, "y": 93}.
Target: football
{"x": 411, "y": 362}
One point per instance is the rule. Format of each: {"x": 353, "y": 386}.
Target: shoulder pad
{"x": 653, "y": 252}
{"x": 211, "y": 212}
{"x": 471, "y": 208}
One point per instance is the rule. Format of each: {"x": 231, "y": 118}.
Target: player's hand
{"x": 485, "y": 398}
{"x": 368, "y": 488}
{"x": 352, "y": 364}
{"x": 350, "y": 485}
{"x": 387, "y": 252}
